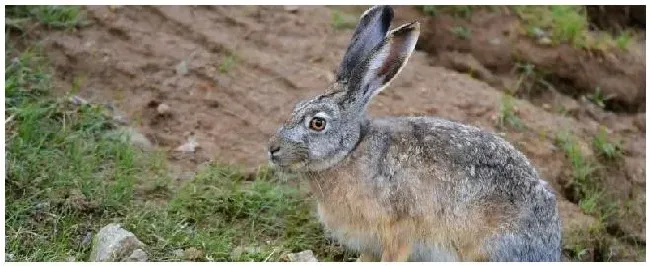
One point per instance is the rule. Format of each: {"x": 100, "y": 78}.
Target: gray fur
{"x": 417, "y": 169}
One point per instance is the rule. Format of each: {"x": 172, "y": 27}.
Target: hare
{"x": 412, "y": 188}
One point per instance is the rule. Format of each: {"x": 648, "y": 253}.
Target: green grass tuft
{"x": 227, "y": 63}
{"x": 605, "y": 147}
{"x": 461, "y": 32}
{"x": 456, "y": 11}
{"x": 623, "y": 40}
{"x": 55, "y": 17}
{"x": 507, "y": 116}
{"x": 69, "y": 173}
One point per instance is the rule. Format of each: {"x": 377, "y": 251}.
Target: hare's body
{"x": 419, "y": 189}
{"x": 444, "y": 190}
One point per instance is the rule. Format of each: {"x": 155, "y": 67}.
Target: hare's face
{"x": 317, "y": 136}
{"x": 323, "y": 130}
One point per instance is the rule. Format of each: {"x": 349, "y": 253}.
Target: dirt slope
{"x": 231, "y": 75}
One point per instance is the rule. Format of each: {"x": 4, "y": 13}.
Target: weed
{"x": 623, "y": 40}
{"x": 582, "y": 168}
{"x": 56, "y": 17}
{"x": 461, "y": 32}
{"x": 342, "y": 21}
{"x": 599, "y": 98}
{"x": 456, "y": 11}
{"x": 507, "y": 116}
{"x": 565, "y": 23}
{"x": 605, "y": 147}
{"x": 227, "y": 63}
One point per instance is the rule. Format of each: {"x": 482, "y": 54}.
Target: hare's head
{"x": 324, "y": 129}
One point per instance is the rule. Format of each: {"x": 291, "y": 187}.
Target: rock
{"x": 545, "y": 41}
{"x": 9, "y": 257}
{"x": 78, "y": 100}
{"x": 189, "y": 146}
{"x": 113, "y": 243}
{"x": 193, "y": 253}
{"x": 495, "y": 41}
{"x": 182, "y": 69}
{"x": 291, "y": 9}
{"x": 136, "y": 138}
{"x": 178, "y": 253}
{"x": 137, "y": 255}
{"x": 303, "y": 256}
{"x": 163, "y": 109}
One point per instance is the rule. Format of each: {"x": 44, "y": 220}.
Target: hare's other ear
{"x": 382, "y": 65}
{"x": 370, "y": 31}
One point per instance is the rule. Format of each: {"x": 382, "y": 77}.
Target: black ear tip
{"x": 387, "y": 12}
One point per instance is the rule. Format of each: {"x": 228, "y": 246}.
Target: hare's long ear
{"x": 370, "y": 31}
{"x": 382, "y": 65}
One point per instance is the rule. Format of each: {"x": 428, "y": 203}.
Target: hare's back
{"x": 452, "y": 148}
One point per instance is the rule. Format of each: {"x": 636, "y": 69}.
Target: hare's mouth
{"x": 289, "y": 165}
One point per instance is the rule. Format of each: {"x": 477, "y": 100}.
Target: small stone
{"x": 193, "y": 253}
{"x": 189, "y": 146}
{"x": 178, "y": 253}
{"x": 78, "y": 100}
{"x": 114, "y": 243}
{"x": 303, "y": 256}
{"x": 538, "y": 33}
{"x": 9, "y": 257}
{"x": 291, "y": 9}
{"x": 545, "y": 41}
{"x": 137, "y": 139}
{"x": 495, "y": 41}
{"x": 181, "y": 68}
{"x": 138, "y": 255}
{"x": 71, "y": 259}
{"x": 163, "y": 109}
{"x": 546, "y": 106}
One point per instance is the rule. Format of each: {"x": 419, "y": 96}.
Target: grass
{"x": 342, "y": 21}
{"x": 227, "y": 63}
{"x": 54, "y": 17}
{"x": 582, "y": 168}
{"x": 461, "y": 32}
{"x": 568, "y": 24}
{"x": 70, "y": 172}
{"x": 599, "y": 98}
{"x": 531, "y": 80}
{"x": 455, "y": 10}
{"x": 564, "y": 23}
{"x": 605, "y": 147}
{"x": 507, "y": 116}
{"x": 623, "y": 40}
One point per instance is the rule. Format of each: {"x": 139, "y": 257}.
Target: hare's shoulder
{"x": 456, "y": 145}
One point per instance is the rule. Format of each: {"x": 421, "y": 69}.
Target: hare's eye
{"x": 317, "y": 124}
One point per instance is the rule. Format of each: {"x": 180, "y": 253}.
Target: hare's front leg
{"x": 396, "y": 252}
{"x": 366, "y": 257}
{"x": 395, "y": 245}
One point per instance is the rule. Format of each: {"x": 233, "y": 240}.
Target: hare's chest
{"x": 354, "y": 217}
{"x": 351, "y": 227}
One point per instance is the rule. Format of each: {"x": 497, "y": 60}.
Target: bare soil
{"x": 231, "y": 75}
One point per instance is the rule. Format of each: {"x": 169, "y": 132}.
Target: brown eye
{"x": 317, "y": 124}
